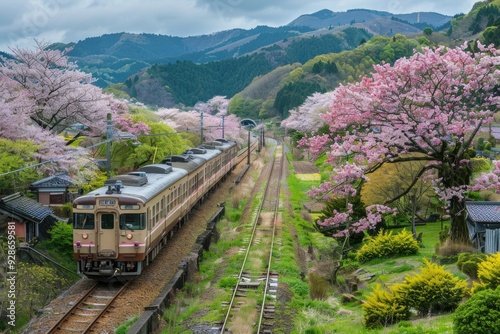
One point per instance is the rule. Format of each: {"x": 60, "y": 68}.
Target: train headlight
{"x": 85, "y": 235}
{"x": 136, "y": 244}
{"x": 129, "y": 236}
{"x": 78, "y": 244}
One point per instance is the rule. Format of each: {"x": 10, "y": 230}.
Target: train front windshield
{"x": 128, "y": 221}
{"x": 83, "y": 221}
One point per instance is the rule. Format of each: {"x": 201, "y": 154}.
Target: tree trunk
{"x": 459, "y": 232}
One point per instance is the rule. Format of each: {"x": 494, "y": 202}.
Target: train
{"x": 120, "y": 228}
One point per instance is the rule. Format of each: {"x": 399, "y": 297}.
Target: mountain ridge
{"x": 112, "y": 58}
{"x": 326, "y": 17}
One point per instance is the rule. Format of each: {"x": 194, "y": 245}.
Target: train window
{"x": 153, "y": 215}
{"x": 150, "y": 219}
{"x": 107, "y": 221}
{"x": 157, "y": 217}
{"x": 162, "y": 215}
{"x": 133, "y": 221}
{"x": 83, "y": 221}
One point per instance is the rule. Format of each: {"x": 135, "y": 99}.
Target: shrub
{"x": 228, "y": 282}
{"x": 318, "y": 286}
{"x": 385, "y": 244}
{"x": 450, "y": 249}
{"x": 468, "y": 263}
{"x": 236, "y": 200}
{"x": 479, "y": 314}
{"x": 444, "y": 234}
{"x": 61, "y": 238}
{"x": 233, "y": 216}
{"x": 306, "y": 215}
{"x": 488, "y": 272}
{"x": 433, "y": 290}
{"x": 384, "y": 307}
{"x": 67, "y": 210}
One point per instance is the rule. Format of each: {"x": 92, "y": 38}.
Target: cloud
{"x": 71, "y": 21}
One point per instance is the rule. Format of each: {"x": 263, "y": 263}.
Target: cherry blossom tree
{"x": 217, "y": 105}
{"x": 42, "y": 94}
{"x": 17, "y": 125}
{"x": 59, "y": 94}
{"x": 190, "y": 121}
{"x": 427, "y": 108}
{"x": 307, "y": 118}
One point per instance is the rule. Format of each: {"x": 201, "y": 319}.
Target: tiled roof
{"x": 484, "y": 212}
{"x": 24, "y": 207}
{"x": 52, "y": 182}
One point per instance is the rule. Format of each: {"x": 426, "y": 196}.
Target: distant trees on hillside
{"x": 187, "y": 83}
{"x": 486, "y": 17}
{"x": 329, "y": 70}
{"x": 293, "y": 95}
{"x": 304, "y": 49}
{"x": 190, "y": 83}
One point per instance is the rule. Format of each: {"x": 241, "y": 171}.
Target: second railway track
{"x": 251, "y": 307}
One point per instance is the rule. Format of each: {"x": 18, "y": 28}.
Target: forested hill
{"x": 112, "y": 58}
{"x": 185, "y": 82}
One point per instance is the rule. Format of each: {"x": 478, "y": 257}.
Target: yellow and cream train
{"x": 118, "y": 229}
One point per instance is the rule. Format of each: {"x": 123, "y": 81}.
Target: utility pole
{"x": 201, "y": 128}
{"x": 109, "y": 136}
{"x": 223, "y": 126}
{"x": 259, "y": 148}
{"x": 248, "y": 156}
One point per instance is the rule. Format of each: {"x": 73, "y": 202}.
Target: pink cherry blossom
{"x": 428, "y": 107}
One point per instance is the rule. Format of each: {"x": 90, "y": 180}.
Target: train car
{"x": 229, "y": 151}
{"x": 201, "y": 164}
{"x": 119, "y": 229}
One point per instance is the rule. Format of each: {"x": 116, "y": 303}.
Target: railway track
{"x": 242, "y": 156}
{"x": 87, "y": 311}
{"x": 251, "y": 307}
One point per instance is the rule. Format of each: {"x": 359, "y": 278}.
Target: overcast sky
{"x": 72, "y": 20}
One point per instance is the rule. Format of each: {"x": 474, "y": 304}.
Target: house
{"x": 483, "y": 222}
{"x": 32, "y": 220}
{"x": 54, "y": 190}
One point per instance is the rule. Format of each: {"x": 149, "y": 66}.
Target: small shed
{"x": 32, "y": 220}
{"x": 54, "y": 190}
{"x": 483, "y": 222}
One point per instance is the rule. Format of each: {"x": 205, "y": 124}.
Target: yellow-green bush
{"x": 433, "y": 290}
{"x": 387, "y": 244}
{"x": 384, "y": 307}
{"x": 468, "y": 263}
{"x": 488, "y": 273}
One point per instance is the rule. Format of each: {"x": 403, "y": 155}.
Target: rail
{"x": 86, "y": 311}
{"x": 271, "y": 193}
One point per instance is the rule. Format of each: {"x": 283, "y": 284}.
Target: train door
{"x": 107, "y": 233}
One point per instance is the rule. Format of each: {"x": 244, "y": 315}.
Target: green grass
{"x": 123, "y": 328}
{"x": 392, "y": 271}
